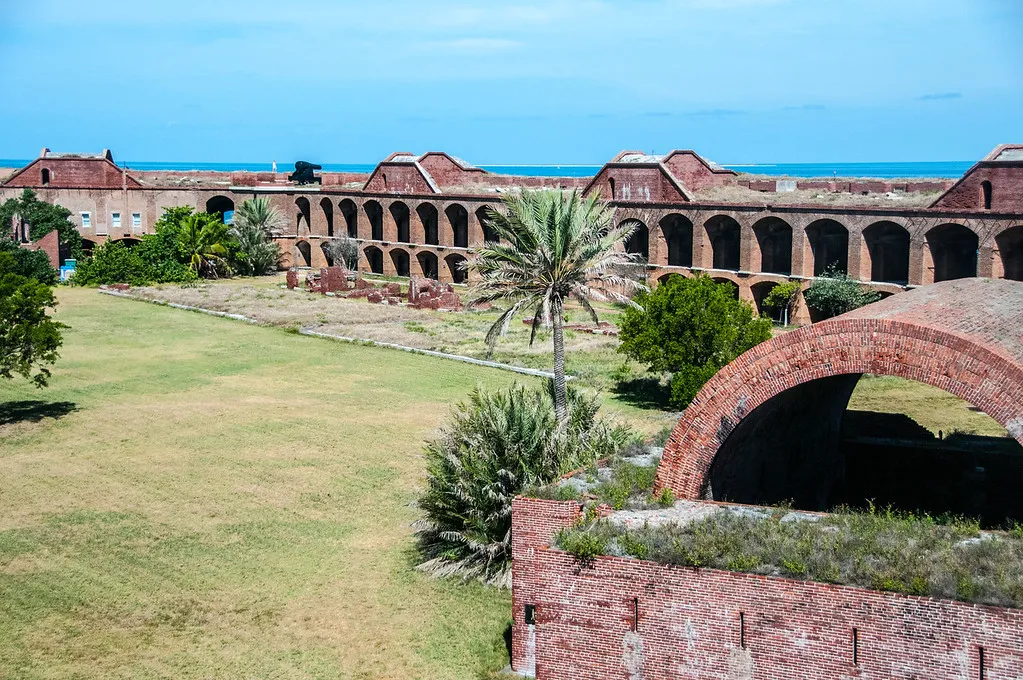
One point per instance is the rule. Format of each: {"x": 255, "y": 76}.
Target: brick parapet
{"x": 706, "y": 623}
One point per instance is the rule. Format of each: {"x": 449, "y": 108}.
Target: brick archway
{"x": 960, "y": 336}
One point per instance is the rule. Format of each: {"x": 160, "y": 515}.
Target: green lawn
{"x": 224, "y": 500}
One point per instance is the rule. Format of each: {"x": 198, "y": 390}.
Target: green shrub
{"x": 690, "y": 328}
{"x": 834, "y": 292}
{"x": 583, "y": 545}
{"x": 32, "y": 264}
{"x": 782, "y": 299}
{"x": 148, "y": 262}
{"x": 42, "y": 218}
{"x": 495, "y": 446}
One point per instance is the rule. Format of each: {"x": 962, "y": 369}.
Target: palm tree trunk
{"x": 560, "y": 395}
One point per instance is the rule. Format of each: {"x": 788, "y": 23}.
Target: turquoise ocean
{"x": 944, "y": 169}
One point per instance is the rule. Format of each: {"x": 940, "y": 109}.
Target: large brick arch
{"x": 963, "y": 336}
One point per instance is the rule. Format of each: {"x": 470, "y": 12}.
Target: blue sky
{"x": 550, "y": 81}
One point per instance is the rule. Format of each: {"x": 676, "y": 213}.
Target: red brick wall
{"x": 49, "y": 244}
{"x": 639, "y": 183}
{"x": 90, "y": 173}
{"x": 1006, "y": 184}
{"x": 689, "y": 623}
{"x": 402, "y": 178}
{"x": 960, "y": 336}
{"x": 694, "y": 173}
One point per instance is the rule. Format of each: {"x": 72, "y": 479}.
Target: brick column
{"x": 802, "y": 257}
{"x": 390, "y": 227}
{"x": 416, "y": 230}
{"x": 921, "y": 264}
{"x": 317, "y": 259}
{"x": 749, "y": 250}
{"x": 855, "y": 248}
{"x": 985, "y": 264}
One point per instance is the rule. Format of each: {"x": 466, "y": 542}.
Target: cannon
{"x": 304, "y": 173}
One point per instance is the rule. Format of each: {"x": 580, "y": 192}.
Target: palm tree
{"x": 255, "y": 223}
{"x": 552, "y": 247}
{"x": 258, "y": 212}
{"x": 203, "y": 239}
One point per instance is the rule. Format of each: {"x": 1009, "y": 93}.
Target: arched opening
{"x": 327, "y": 254}
{"x": 825, "y": 416}
{"x": 455, "y": 263}
{"x": 1010, "y": 249}
{"x": 400, "y": 214}
{"x": 678, "y": 237}
{"x": 428, "y": 264}
{"x": 725, "y": 236}
{"x": 483, "y": 217}
{"x": 774, "y": 237}
{"x": 375, "y": 215}
{"x": 375, "y": 257}
{"x": 663, "y": 278}
{"x": 953, "y": 252}
{"x": 128, "y": 242}
{"x": 639, "y": 242}
{"x": 458, "y": 218}
{"x": 302, "y": 216}
{"x": 221, "y": 205}
{"x": 732, "y": 286}
{"x": 428, "y": 216}
{"x": 400, "y": 260}
{"x": 985, "y": 194}
{"x": 88, "y": 246}
{"x": 46, "y": 176}
{"x": 760, "y": 292}
{"x": 829, "y": 243}
{"x": 328, "y": 214}
{"x": 351, "y": 214}
{"x": 611, "y": 184}
{"x": 888, "y": 248}
{"x": 303, "y": 254}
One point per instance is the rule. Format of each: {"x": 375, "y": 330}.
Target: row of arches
{"x": 393, "y": 262}
{"x": 369, "y": 222}
{"x": 953, "y": 248}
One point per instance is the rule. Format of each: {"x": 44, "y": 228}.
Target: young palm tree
{"x": 552, "y": 247}
{"x": 203, "y": 238}
{"x": 255, "y": 222}
{"x": 258, "y": 212}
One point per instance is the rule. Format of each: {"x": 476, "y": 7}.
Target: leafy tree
{"x": 43, "y": 218}
{"x": 151, "y": 261}
{"x": 255, "y": 222}
{"x": 553, "y": 247}
{"x": 496, "y": 445}
{"x": 834, "y": 292}
{"x": 783, "y": 298}
{"x": 29, "y": 339}
{"x": 205, "y": 243}
{"x": 344, "y": 251}
{"x": 33, "y": 264}
{"x": 690, "y": 328}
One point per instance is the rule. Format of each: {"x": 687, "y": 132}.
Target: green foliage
{"x": 690, "y": 328}
{"x": 29, "y": 339}
{"x": 552, "y": 247}
{"x": 255, "y": 221}
{"x": 43, "y": 218}
{"x": 206, "y": 245}
{"x": 878, "y": 548}
{"x": 151, "y": 261}
{"x": 627, "y": 481}
{"x": 583, "y": 545}
{"x": 495, "y": 446}
{"x": 33, "y": 264}
{"x": 666, "y": 498}
{"x": 834, "y": 292}
{"x": 783, "y": 297}
{"x": 344, "y": 251}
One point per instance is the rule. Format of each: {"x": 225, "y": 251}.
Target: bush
{"x": 148, "y": 262}
{"x": 834, "y": 293}
{"x": 255, "y": 222}
{"x": 496, "y": 445}
{"x": 343, "y": 251}
{"x": 29, "y": 339}
{"x": 782, "y": 299}
{"x": 689, "y": 327}
{"x": 32, "y": 264}
{"x": 42, "y": 218}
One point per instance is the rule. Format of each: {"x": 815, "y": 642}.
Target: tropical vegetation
{"x": 29, "y": 337}
{"x": 834, "y": 292}
{"x": 687, "y": 329}
{"x": 42, "y": 218}
{"x": 497, "y": 444}
{"x": 256, "y": 222}
{"x": 553, "y": 246}
{"x": 33, "y": 264}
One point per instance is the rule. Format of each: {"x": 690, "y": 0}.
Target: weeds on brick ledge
{"x": 879, "y": 548}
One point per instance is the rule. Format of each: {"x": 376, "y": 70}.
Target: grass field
{"x": 196, "y": 497}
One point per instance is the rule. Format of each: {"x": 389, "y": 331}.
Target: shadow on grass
{"x": 646, "y": 393}
{"x": 32, "y": 411}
